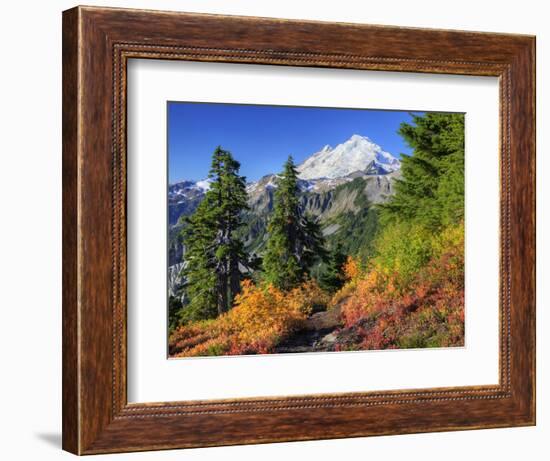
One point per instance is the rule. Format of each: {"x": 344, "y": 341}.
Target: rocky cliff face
{"x": 323, "y": 199}
{"x": 175, "y": 281}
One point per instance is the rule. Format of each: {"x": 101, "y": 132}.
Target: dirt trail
{"x": 316, "y": 336}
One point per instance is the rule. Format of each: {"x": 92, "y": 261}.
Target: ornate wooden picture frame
{"x": 97, "y": 44}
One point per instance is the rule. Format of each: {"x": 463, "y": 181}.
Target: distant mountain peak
{"x": 358, "y": 153}
{"x": 205, "y": 184}
{"x": 358, "y": 137}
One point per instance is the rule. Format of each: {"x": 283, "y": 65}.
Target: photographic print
{"x": 311, "y": 229}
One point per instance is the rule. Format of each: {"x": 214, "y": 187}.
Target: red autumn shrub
{"x": 379, "y": 311}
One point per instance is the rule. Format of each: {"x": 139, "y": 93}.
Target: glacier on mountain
{"x": 358, "y": 153}
{"x": 322, "y": 171}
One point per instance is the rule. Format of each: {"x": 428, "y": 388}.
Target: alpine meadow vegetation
{"x": 392, "y": 277}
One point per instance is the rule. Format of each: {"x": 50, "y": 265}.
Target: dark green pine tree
{"x": 231, "y": 195}
{"x": 431, "y": 190}
{"x": 214, "y": 253}
{"x": 332, "y": 277}
{"x": 295, "y": 241}
{"x": 199, "y": 269}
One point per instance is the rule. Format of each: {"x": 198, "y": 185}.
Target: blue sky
{"x": 262, "y": 137}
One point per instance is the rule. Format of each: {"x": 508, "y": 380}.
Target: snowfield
{"x": 356, "y": 154}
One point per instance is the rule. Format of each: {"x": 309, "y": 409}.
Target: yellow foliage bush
{"x": 262, "y": 317}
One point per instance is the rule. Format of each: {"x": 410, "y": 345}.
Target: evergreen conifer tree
{"x": 214, "y": 253}
{"x": 295, "y": 241}
{"x": 332, "y": 277}
{"x": 431, "y": 190}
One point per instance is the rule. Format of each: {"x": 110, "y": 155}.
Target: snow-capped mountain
{"x": 184, "y": 197}
{"x": 187, "y": 186}
{"x": 322, "y": 171}
{"x": 358, "y": 153}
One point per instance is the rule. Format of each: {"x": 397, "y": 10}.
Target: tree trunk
{"x": 222, "y": 291}
{"x": 234, "y": 279}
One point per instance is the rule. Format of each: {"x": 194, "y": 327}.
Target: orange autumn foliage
{"x": 352, "y": 273}
{"x": 261, "y": 317}
{"x": 351, "y": 268}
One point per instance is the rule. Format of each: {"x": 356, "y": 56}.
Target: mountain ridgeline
{"x": 342, "y": 185}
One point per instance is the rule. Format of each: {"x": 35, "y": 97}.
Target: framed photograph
{"x": 282, "y": 230}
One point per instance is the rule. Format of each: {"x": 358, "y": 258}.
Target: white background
{"x": 153, "y": 378}
{"x": 30, "y": 244}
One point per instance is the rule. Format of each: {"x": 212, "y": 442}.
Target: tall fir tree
{"x": 214, "y": 253}
{"x": 294, "y": 241}
{"x": 429, "y": 196}
{"x": 431, "y": 189}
